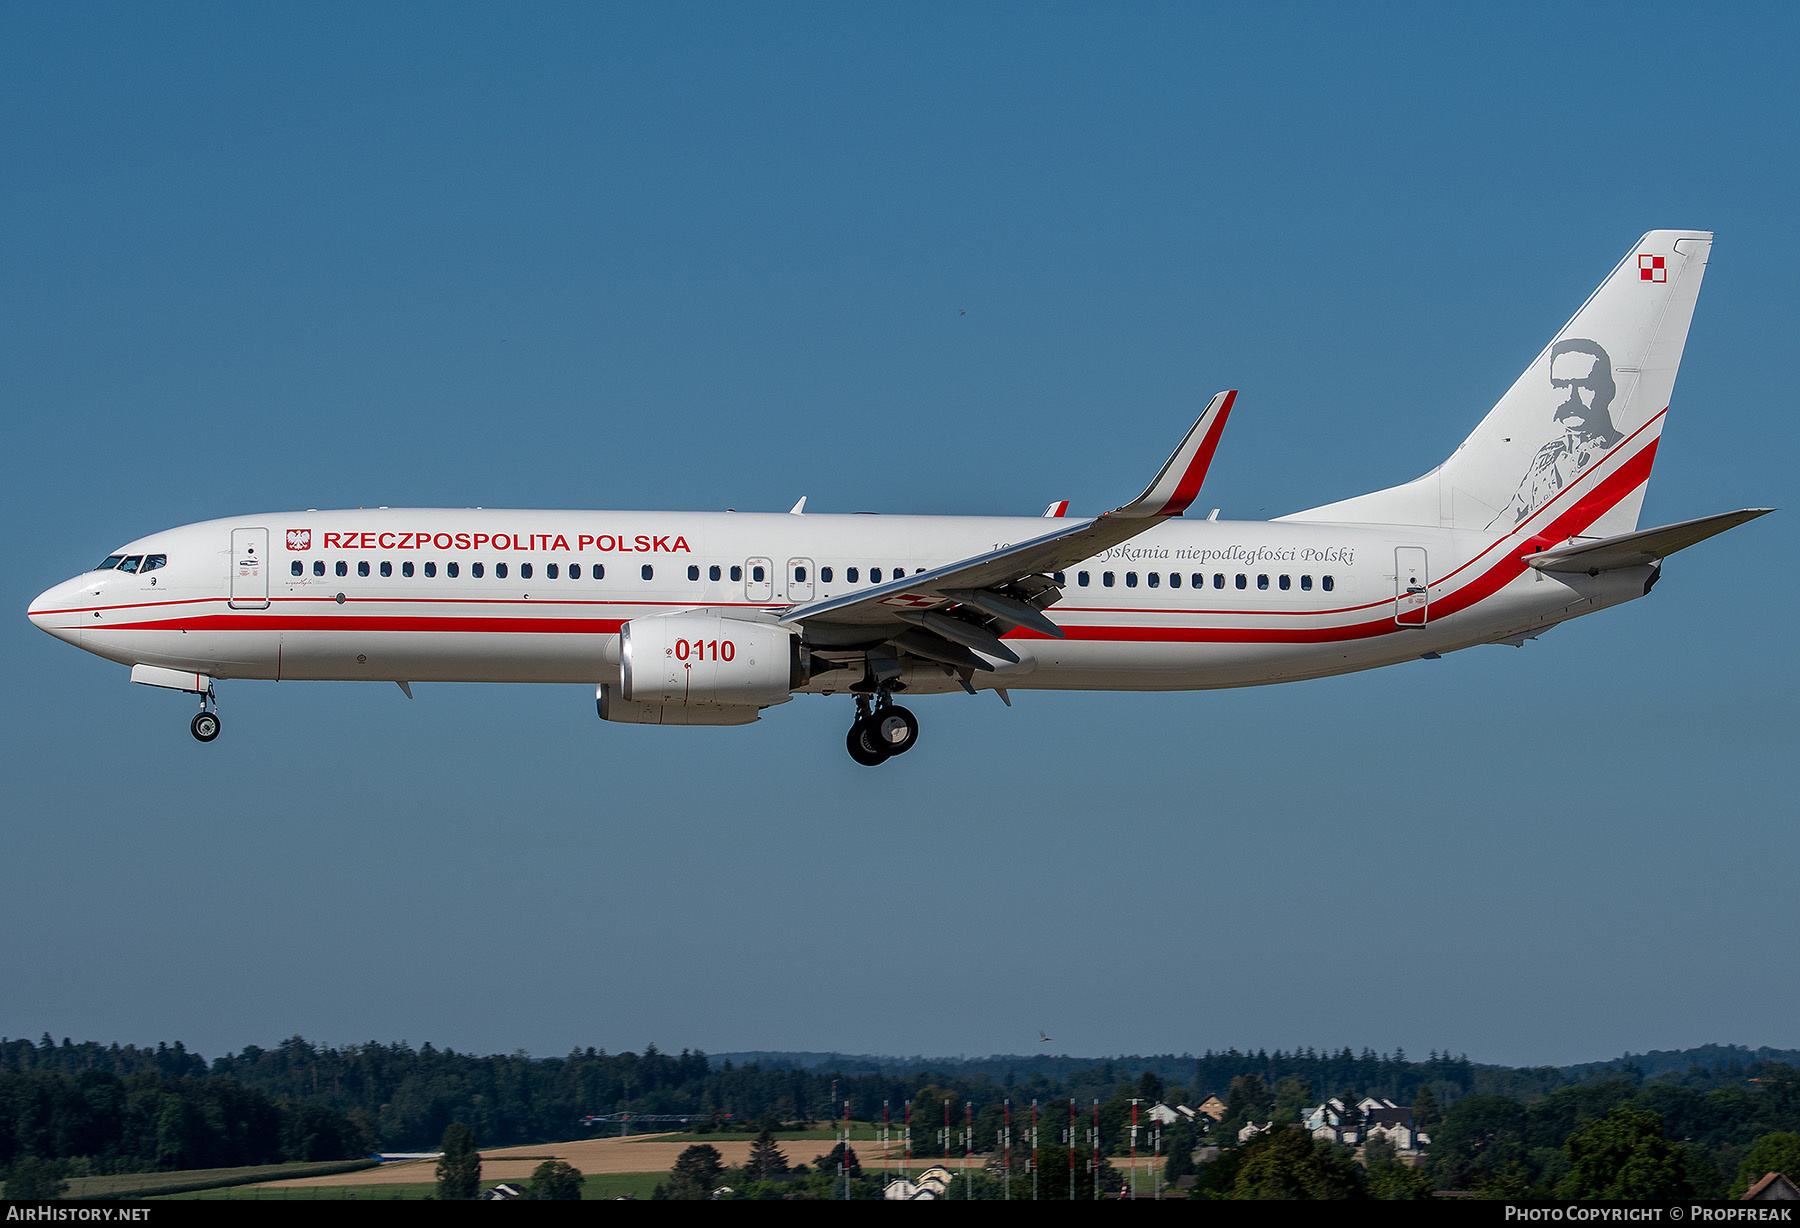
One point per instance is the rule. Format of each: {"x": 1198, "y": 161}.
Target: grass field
{"x": 600, "y": 1186}
{"x": 145, "y": 1185}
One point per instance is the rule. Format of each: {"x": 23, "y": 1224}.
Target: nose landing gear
{"x": 881, "y": 732}
{"x": 205, "y": 725}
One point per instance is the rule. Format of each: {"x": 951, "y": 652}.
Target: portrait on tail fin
{"x": 1582, "y": 371}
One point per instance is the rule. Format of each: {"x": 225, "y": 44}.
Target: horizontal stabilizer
{"x": 1641, "y": 548}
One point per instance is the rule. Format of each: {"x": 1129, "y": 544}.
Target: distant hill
{"x": 1180, "y": 1067}
{"x": 996, "y": 1066}
{"x": 1665, "y": 1061}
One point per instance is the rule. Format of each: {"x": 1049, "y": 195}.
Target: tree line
{"x": 147, "y": 1122}
{"x": 166, "y": 1107}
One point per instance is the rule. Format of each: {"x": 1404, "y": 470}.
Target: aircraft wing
{"x": 1640, "y": 548}
{"x": 1005, "y": 585}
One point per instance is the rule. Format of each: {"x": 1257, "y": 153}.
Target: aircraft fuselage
{"x": 540, "y": 596}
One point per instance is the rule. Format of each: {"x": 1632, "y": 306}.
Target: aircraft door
{"x": 249, "y": 569}
{"x": 759, "y": 580}
{"x": 799, "y": 579}
{"x": 1412, "y": 587}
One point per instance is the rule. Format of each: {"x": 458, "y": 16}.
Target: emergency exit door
{"x": 799, "y": 579}
{"x": 249, "y": 569}
{"x": 759, "y": 580}
{"x": 1412, "y": 586}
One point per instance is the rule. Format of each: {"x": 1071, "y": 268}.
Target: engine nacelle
{"x": 702, "y": 659}
{"x": 613, "y": 708}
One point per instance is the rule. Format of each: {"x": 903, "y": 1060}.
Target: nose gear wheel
{"x": 205, "y": 725}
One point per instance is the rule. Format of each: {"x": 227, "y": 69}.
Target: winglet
{"x": 1057, "y": 510}
{"x": 1178, "y": 485}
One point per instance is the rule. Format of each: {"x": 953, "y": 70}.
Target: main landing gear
{"x": 205, "y": 725}
{"x": 881, "y": 731}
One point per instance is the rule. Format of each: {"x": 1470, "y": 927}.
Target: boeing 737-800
{"x": 696, "y": 618}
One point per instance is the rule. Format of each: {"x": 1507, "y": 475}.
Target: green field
{"x": 599, "y": 1186}
{"x": 146, "y": 1185}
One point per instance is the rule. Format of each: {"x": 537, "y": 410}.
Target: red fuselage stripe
{"x": 1589, "y": 507}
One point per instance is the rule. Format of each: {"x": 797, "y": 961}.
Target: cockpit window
{"x": 153, "y": 561}
{"x": 130, "y": 562}
{"x": 110, "y": 561}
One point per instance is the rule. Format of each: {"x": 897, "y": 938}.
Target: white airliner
{"x": 707, "y": 618}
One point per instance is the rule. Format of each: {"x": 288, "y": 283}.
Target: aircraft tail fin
{"x": 1578, "y": 430}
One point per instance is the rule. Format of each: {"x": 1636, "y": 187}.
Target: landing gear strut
{"x": 205, "y": 725}
{"x": 881, "y": 730}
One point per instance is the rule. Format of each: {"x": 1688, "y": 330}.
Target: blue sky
{"x": 707, "y": 256}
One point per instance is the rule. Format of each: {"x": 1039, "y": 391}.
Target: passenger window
{"x": 693, "y": 572}
{"x": 824, "y": 575}
{"x": 850, "y": 574}
{"x": 1327, "y": 583}
{"x": 550, "y": 572}
{"x": 737, "y": 573}
{"x": 756, "y": 573}
{"x": 1219, "y": 580}
{"x": 1306, "y": 584}
{"x": 524, "y": 571}
{"x": 342, "y": 568}
{"x": 1262, "y": 582}
{"x": 297, "y": 568}
{"x": 1061, "y": 580}
{"x": 647, "y": 571}
{"x": 387, "y": 569}
{"x": 1286, "y": 583}
{"x": 1242, "y": 581}
{"x": 1174, "y": 579}
{"x": 599, "y": 571}
{"x": 406, "y": 570}
{"x": 1081, "y": 578}
{"x": 799, "y": 575}
{"x": 130, "y": 562}
{"x": 712, "y": 573}
{"x": 431, "y": 571}
{"x": 153, "y": 561}
{"x": 1155, "y": 579}
{"x": 574, "y": 571}
{"x": 362, "y": 568}
{"x": 451, "y": 569}
{"x": 318, "y": 566}
{"x": 478, "y": 570}
{"x": 874, "y": 575}
{"x": 1106, "y": 578}
{"x": 1131, "y": 579}
{"x": 499, "y": 571}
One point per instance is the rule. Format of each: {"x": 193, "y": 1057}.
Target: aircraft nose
{"x": 53, "y": 610}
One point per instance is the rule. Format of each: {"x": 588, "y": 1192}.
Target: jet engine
{"x": 704, "y": 660}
